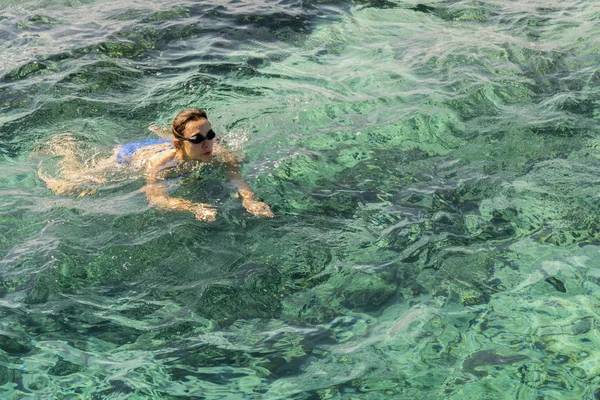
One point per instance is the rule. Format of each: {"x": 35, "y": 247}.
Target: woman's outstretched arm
{"x": 234, "y": 173}
{"x": 156, "y": 193}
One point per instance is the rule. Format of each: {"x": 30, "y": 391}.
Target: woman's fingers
{"x": 204, "y": 213}
{"x": 208, "y": 213}
{"x": 258, "y": 208}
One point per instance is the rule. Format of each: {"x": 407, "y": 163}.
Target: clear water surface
{"x": 434, "y": 168}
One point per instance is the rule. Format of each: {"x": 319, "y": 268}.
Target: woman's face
{"x": 198, "y": 151}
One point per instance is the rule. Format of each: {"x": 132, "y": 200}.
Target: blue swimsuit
{"x": 126, "y": 150}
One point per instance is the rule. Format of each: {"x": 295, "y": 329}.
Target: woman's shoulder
{"x": 162, "y": 160}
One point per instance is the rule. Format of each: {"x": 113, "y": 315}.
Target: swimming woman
{"x": 192, "y": 146}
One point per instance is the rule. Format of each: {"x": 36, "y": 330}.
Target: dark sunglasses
{"x": 199, "y": 138}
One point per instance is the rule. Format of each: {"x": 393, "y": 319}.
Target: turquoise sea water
{"x": 434, "y": 171}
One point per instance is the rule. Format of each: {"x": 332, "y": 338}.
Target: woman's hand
{"x": 257, "y": 208}
{"x": 204, "y": 212}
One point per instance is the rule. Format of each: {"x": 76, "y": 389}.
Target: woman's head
{"x": 193, "y": 134}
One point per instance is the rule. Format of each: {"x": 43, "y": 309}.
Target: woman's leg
{"x": 72, "y": 175}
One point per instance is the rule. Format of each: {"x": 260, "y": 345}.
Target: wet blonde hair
{"x": 185, "y": 116}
